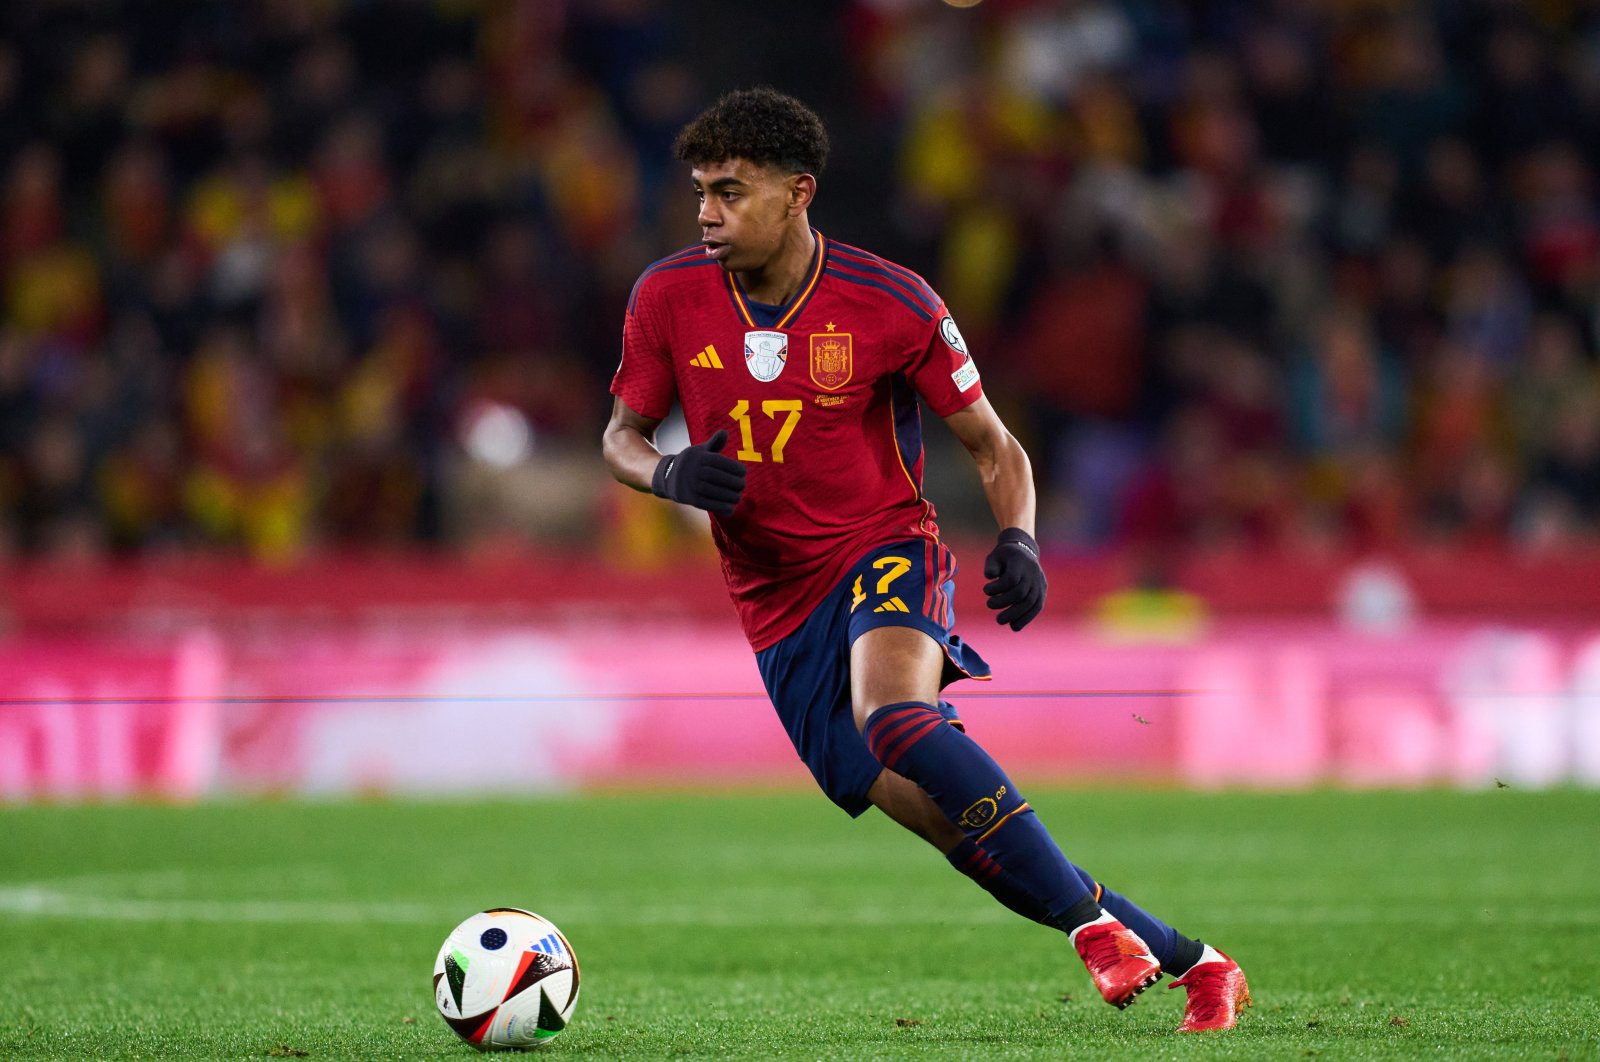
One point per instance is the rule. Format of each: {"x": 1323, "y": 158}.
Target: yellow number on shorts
{"x": 897, "y": 566}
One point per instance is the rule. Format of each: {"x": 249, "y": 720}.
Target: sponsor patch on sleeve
{"x": 965, "y": 376}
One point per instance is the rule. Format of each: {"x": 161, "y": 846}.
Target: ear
{"x": 802, "y": 190}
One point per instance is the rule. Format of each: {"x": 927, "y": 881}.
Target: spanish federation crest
{"x": 831, "y": 362}
{"x": 765, "y": 354}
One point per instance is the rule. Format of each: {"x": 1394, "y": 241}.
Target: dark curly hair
{"x": 762, "y": 125}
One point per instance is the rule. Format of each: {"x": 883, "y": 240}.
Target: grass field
{"x": 765, "y": 925}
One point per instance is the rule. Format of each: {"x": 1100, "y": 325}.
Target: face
{"x": 746, "y": 209}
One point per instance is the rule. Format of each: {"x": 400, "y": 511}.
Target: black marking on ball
{"x": 493, "y": 939}
{"x": 457, "y": 978}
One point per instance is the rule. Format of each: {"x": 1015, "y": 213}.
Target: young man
{"x": 810, "y": 463}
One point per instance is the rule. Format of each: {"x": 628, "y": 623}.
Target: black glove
{"x": 1016, "y": 582}
{"x": 701, "y": 476}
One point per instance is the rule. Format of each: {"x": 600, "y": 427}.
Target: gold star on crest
{"x": 830, "y": 326}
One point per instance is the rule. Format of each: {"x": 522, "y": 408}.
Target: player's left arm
{"x": 1003, "y": 465}
{"x": 1017, "y": 586}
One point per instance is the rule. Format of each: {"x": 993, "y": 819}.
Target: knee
{"x": 892, "y": 665}
{"x": 863, "y": 712}
{"x": 863, "y": 709}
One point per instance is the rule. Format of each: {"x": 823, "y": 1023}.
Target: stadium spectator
{"x": 348, "y": 224}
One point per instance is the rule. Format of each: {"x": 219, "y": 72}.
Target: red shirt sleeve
{"x": 644, "y": 380}
{"x": 942, "y": 370}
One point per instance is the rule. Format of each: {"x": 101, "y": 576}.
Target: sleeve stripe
{"x": 899, "y": 293}
{"x": 687, "y": 256}
{"x": 905, "y": 275}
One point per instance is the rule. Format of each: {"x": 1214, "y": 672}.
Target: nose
{"x": 709, "y": 215}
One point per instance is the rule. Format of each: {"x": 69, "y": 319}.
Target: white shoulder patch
{"x": 952, "y": 335}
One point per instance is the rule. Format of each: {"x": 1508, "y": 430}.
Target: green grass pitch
{"x": 766, "y": 925}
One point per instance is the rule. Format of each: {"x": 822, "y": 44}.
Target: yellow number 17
{"x": 771, "y": 407}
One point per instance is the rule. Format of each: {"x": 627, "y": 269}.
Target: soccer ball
{"x": 506, "y": 978}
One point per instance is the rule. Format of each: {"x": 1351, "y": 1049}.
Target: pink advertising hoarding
{"x": 447, "y": 707}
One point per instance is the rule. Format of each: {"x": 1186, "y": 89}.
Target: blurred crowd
{"x": 300, "y": 275}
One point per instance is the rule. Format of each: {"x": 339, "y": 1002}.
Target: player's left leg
{"x": 1216, "y": 985}
{"x": 810, "y": 676}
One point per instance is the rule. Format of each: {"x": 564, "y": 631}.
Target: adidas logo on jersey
{"x": 707, "y": 359}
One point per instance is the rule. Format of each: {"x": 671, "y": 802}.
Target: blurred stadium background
{"x": 309, "y": 310}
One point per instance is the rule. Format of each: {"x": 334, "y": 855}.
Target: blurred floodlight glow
{"x": 497, "y": 435}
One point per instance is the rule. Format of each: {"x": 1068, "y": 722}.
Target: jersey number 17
{"x": 771, "y": 407}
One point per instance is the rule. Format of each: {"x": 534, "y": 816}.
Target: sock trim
{"x": 1101, "y": 919}
{"x": 893, "y": 718}
{"x": 1183, "y": 947}
{"x": 980, "y": 862}
{"x": 894, "y": 750}
{"x": 894, "y": 728}
{"x": 1019, "y": 808}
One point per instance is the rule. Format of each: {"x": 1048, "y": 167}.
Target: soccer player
{"x": 798, "y": 361}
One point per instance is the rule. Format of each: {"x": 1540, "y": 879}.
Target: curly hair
{"x": 761, "y": 125}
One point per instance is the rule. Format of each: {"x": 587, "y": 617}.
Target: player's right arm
{"x": 698, "y": 475}
{"x": 629, "y": 446}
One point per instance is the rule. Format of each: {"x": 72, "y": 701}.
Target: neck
{"x": 777, "y": 282}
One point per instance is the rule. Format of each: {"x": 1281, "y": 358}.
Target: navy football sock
{"x": 913, "y": 739}
{"x": 978, "y": 865}
{"x": 1172, "y": 949}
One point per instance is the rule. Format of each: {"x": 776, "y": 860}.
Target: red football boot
{"x": 1119, "y": 962}
{"x": 1217, "y": 992}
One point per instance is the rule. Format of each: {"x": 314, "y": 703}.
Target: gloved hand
{"x": 701, "y": 476}
{"x": 1016, "y": 581}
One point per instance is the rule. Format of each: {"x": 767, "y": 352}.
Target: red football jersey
{"x": 820, "y": 406}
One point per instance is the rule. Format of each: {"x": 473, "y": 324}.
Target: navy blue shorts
{"x": 807, "y": 674}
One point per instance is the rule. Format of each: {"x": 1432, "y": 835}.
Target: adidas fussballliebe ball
{"x": 506, "y": 978}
